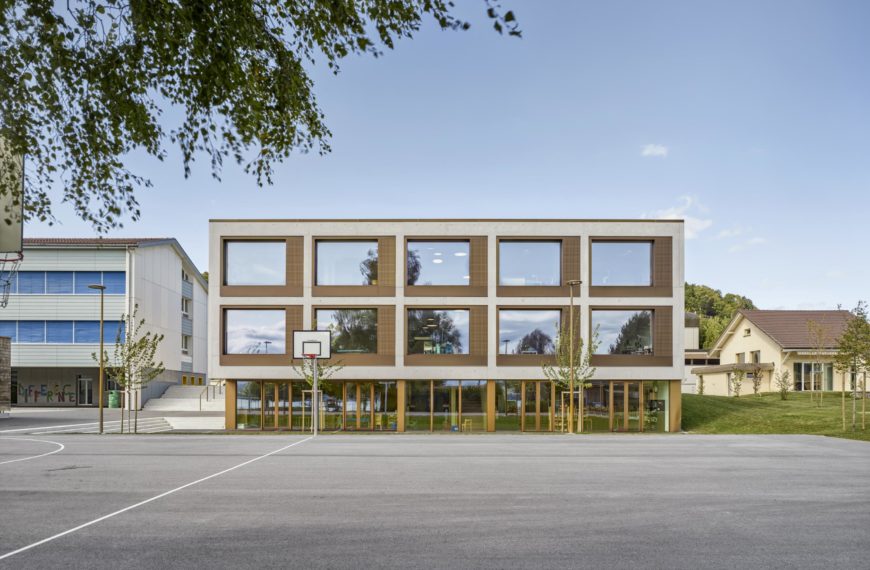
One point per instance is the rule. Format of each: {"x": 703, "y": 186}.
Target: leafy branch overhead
{"x": 87, "y": 83}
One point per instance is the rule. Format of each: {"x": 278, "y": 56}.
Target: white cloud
{"x": 730, "y": 233}
{"x": 747, "y": 244}
{"x": 657, "y": 150}
{"x": 689, "y": 205}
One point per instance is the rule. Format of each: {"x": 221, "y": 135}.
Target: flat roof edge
{"x": 558, "y": 220}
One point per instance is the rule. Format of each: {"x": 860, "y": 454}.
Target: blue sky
{"x": 748, "y": 119}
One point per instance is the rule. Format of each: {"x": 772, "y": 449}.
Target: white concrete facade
{"x": 152, "y": 271}
{"x": 492, "y": 229}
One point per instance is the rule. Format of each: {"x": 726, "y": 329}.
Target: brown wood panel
{"x": 386, "y": 285}
{"x": 675, "y": 401}
{"x": 386, "y": 335}
{"x": 662, "y": 270}
{"x": 477, "y": 331}
{"x": 570, "y": 259}
{"x": 477, "y": 270}
{"x": 400, "y": 405}
{"x": 662, "y": 339}
{"x": 230, "y": 405}
{"x": 490, "y": 405}
{"x": 293, "y": 323}
{"x": 293, "y": 266}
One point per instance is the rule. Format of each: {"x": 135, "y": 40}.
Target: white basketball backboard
{"x": 11, "y": 201}
{"x": 306, "y": 343}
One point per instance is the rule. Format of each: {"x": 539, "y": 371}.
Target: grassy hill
{"x": 768, "y": 414}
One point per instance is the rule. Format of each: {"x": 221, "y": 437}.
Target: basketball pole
{"x": 315, "y": 400}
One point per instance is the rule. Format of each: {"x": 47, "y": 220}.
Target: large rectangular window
{"x": 438, "y": 331}
{"x": 623, "y": 332}
{"x": 529, "y": 263}
{"x": 622, "y": 263}
{"x": 418, "y": 405}
{"x": 248, "y": 405}
{"x": 10, "y": 329}
{"x": 59, "y": 332}
{"x": 255, "y": 262}
{"x": 354, "y": 331}
{"x": 115, "y": 282}
{"x": 87, "y": 331}
{"x": 438, "y": 262}
{"x": 85, "y": 278}
{"x": 526, "y": 331}
{"x": 59, "y": 283}
{"x": 254, "y": 331}
{"x": 813, "y": 376}
{"x": 445, "y": 413}
{"x": 346, "y": 262}
{"x": 31, "y": 283}
{"x": 31, "y": 331}
{"x": 508, "y": 405}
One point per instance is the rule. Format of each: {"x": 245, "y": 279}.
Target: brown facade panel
{"x": 570, "y": 259}
{"x": 230, "y": 405}
{"x": 662, "y": 332}
{"x": 386, "y": 337}
{"x": 386, "y": 285}
{"x": 662, "y": 270}
{"x": 477, "y": 270}
{"x": 675, "y": 400}
{"x": 477, "y": 343}
{"x": 293, "y": 323}
{"x": 293, "y": 279}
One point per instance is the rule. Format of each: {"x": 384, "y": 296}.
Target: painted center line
{"x": 58, "y": 450}
{"x": 146, "y": 501}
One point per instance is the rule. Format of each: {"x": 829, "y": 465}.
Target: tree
{"x": 701, "y": 385}
{"x": 435, "y": 325}
{"x": 325, "y": 371}
{"x": 537, "y": 342}
{"x": 86, "y": 83}
{"x": 757, "y": 378}
{"x": 737, "y": 378}
{"x": 414, "y": 266}
{"x": 853, "y": 355}
{"x": 560, "y": 372}
{"x": 354, "y": 328}
{"x": 715, "y": 310}
{"x": 633, "y": 335}
{"x": 820, "y": 342}
{"x": 368, "y": 267}
{"x": 783, "y": 383}
{"x": 205, "y": 276}
{"x": 132, "y": 365}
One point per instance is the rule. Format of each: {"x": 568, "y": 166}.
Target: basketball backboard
{"x": 11, "y": 203}
{"x": 306, "y": 343}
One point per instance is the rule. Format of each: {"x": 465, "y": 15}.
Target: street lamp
{"x": 571, "y": 284}
{"x": 101, "y": 289}
{"x": 267, "y": 343}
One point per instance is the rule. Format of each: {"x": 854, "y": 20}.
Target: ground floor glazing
{"x": 458, "y": 406}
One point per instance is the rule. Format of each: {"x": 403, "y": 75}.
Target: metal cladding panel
{"x": 186, "y": 289}
{"x": 663, "y": 332}
{"x": 663, "y": 262}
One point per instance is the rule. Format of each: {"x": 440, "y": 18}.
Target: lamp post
{"x": 571, "y": 284}
{"x": 101, "y": 289}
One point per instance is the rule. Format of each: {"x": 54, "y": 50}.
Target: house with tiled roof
{"x": 770, "y": 342}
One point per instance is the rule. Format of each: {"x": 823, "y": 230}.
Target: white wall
{"x": 200, "y": 327}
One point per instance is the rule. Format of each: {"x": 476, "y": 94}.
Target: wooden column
{"x": 675, "y": 404}
{"x": 490, "y": 405}
{"x": 400, "y": 406}
{"x": 230, "y": 405}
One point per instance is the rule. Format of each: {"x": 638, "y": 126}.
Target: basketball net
{"x": 9, "y": 264}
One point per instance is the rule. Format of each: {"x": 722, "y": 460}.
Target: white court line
{"x": 58, "y": 450}
{"x": 146, "y": 501}
{"x": 37, "y": 428}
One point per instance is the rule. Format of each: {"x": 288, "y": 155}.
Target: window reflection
{"x": 623, "y": 332}
{"x": 255, "y": 263}
{"x": 438, "y": 263}
{"x": 530, "y": 263}
{"x": 418, "y": 405}
{"x": 254, "y": 331}
{"x": 354, "y": 331}
{"x": 248, "y": 405}
{"x": 438, "y": 331}
{"x": 347, "y": 263}
{"x": 626, "y": 263}
{"x": 523, "y": 331}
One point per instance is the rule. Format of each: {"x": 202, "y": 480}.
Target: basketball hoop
{"x": 9, "y": 265}
{"x": 312, "y": 356}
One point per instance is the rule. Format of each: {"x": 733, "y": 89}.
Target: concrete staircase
{"x": 180, "y": 398}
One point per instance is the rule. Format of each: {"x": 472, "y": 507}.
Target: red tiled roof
{"x": 88, "y": 241}
{"x": 789, "y": 328}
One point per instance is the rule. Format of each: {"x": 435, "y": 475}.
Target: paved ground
{"x": 489, "y": 501}
{"x": 23, "y": 421}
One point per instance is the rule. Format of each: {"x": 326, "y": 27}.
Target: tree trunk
{"x": 136, "y": 414}
{"x": 843, "y": 387}
{"x": 864, "y": 402}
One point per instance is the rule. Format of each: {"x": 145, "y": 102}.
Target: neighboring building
{"x": 695, "y": 355}
{"x": 53, "y": 316}
{"x": 442, "y": 325}
{"x": 776, "y": 341}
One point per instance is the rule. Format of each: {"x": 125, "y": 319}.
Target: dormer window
{"x": 747, "y": 332}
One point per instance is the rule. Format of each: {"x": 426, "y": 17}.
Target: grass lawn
{"x": 768, "y": 414}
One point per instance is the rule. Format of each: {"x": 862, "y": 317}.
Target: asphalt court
{"x": 436, "y": 501}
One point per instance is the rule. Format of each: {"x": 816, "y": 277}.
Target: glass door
{"x": 86, "y": 391}
{"x": 633, "y": 411}
{"x": 364, "y": 405}
{"x": 617, "y": 406}
{"x": 537, "y": 406}
{"x": 445, "y": 410}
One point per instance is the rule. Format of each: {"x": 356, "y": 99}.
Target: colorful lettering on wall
{"x": 55, "y": 394}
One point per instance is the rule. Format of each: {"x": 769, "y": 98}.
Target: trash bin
{"x": 114, "y": 399}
